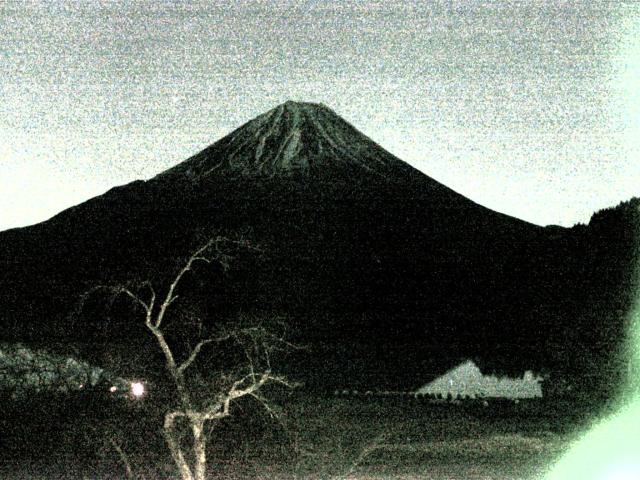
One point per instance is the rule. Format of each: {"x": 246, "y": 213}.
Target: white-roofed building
{"x": 467, "y": 381}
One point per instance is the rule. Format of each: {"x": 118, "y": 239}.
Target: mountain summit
{"x": 380, "y": 269}
{"x": 292, "y": 138}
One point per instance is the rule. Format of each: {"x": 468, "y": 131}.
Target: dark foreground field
{"x": 316, "y": 436}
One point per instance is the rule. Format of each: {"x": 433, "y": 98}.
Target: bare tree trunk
{"x": 199, "y": 447}
{"x": 174, "y": 447}
{"x": 244, "y": 385}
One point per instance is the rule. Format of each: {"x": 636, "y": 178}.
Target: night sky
{"x": 530, "y": 108}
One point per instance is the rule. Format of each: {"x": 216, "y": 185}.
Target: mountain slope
{"x": 382, "y": 270}
{"x": 292, "y": 138}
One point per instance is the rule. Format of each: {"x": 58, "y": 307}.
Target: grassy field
{"x": 403, "y": 438}
{"x": 316, "y": 436}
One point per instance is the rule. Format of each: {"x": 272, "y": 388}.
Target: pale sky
{"x": 531, "y": 108}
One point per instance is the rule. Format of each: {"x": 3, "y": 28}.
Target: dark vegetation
{"x": 379, "y": 279}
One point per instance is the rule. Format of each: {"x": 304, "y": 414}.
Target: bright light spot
{"x": 137, "y": 389}
{"x": 113, "y": 389}
{"x": 611, "y": 450}
{"x": 608, "y": 452}
{"x": 625, "y": 472}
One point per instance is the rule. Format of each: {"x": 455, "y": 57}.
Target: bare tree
{"x": 255, "y": 342}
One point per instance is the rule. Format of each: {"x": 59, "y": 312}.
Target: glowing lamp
{"x": 137, "y": 389}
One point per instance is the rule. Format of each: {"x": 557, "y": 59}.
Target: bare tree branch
{"x": 146, "y": 306}
{"x": 256, "y": 341}
{"x": 194, "y": 354}
{"x": 174, "y": 447}
{"x": 123, "y": 457}
{"x": 374, "y": 445}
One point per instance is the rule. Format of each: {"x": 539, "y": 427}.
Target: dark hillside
{"x": 380, "y": 269}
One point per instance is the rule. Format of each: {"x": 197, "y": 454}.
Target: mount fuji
{"x": 383, "y": 271}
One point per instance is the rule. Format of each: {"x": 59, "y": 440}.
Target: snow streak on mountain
{"x": 292, "y": 138}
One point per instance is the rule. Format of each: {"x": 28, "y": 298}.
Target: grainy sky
{"x": 531, "y": 108}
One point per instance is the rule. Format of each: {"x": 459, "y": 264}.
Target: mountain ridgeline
{"x": 383, "y": 272}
